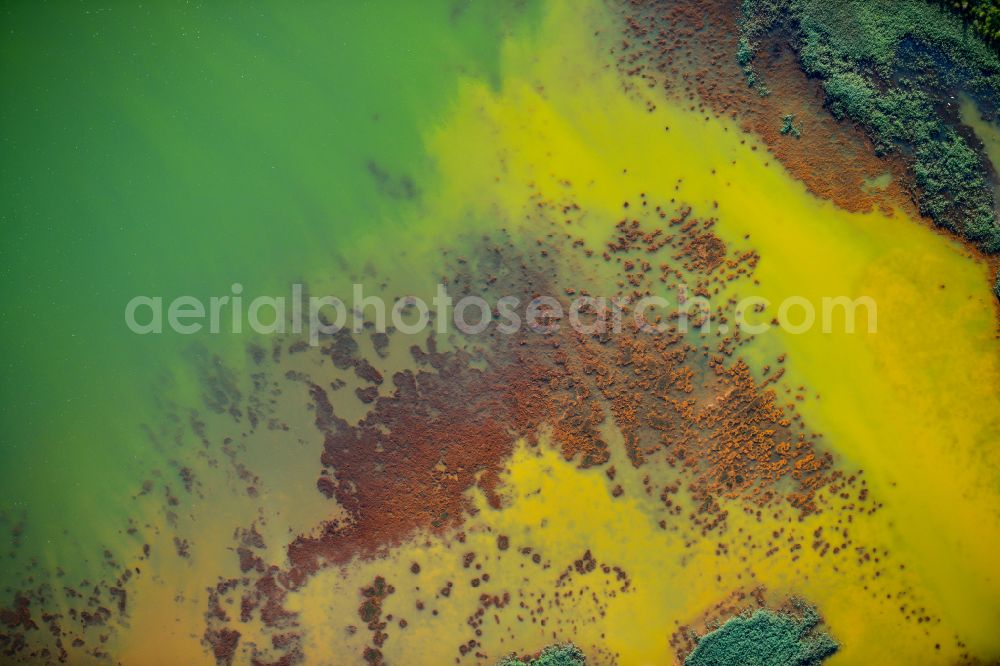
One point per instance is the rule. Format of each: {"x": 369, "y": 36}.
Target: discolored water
{"x": 167, "y": 151}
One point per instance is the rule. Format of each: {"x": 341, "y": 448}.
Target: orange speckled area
{"x": 448, "y": 424}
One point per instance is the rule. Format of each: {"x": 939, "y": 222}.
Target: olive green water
{"x": 174, "y": 149}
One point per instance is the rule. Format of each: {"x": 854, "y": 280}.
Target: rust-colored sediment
{"x": 453, "y": 418}
{"x": 450, "y": 425}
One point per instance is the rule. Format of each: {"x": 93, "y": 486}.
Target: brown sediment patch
{"x": 223, "y": 644}
{"x": 19, "y": 615}
{"x": 370, "y": 613}
{"x": 451, "y": 424}
{"x": 444, "y": 429}
{"x": 688, "y": 48}
{"x": 708, "y": 251}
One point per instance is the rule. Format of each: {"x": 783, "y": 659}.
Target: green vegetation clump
{"x": 983, "y": 15}
{"x": 788, "y": 127}
{"x": 554, "y": 655}
{"x": 765, "y": 638}
{"x": 950, "y": 175}
{"x": 895, "y": 69}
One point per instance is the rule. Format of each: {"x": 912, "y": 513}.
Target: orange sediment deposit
{"x": 454, "y": 415}
{"x": 450, "y": 425}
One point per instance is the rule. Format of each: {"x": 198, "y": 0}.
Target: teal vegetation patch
{"x": 554, "y": 655}
{"x": 766, "y": 638}
{"x": 788, "y": 126}
{"x": 895, "y": 69}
